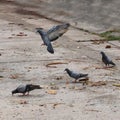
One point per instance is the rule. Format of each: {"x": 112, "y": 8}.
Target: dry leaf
{"x": 23, "y": 102}
{"x": 56, "y": 104}
{"x": 108, "y": 46}
{"x": 117, "y": 85}
{"x": 53, "y": 92}
{"x": 1, "y": 76}
{"x": 14, "y": 76}
{"x": 55, "y": 63}
{"x": 99, "y": 83}
{"x": 59, "y": 78}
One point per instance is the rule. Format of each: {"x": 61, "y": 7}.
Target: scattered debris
{"x": 117, "y": 59}
{"x": 54, "y": 87}
{"x": 23, "y": 102}
{"x": 76, "y": 88}
{"x": 117, "y": 85}
{"x": 53, "y": 92}
{"x": 108, "y": 46}
{"x": 21, "y": 34}
{"x": 92, "y": 110}
{"x": 14, "y": 76}
{"x": 99, "y": 83}
{"x": 20, "y": 24}
{"x": 56, "y": 104}
{"x": 55, "y": 63}
{"x": 1, "y": 76}
{"x": 59, "y": 78}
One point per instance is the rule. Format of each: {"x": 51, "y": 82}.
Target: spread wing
{"x": 55, "y": 32}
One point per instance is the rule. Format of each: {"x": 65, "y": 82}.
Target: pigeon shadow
{"x": 31, "y": 96}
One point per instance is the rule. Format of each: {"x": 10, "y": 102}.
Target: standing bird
{"x": 25, "y": 88}
{"x": 46, "y": 40}
{"x": 57, "y": 31}
{"x": 106, "y": 60}
{"x": 74, "y": 75}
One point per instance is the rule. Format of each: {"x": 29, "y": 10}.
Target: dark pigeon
{"x": 25, "y": 88}
{"x": 57, "y": 31}
{"x": 74, "y": 75}
{"x": 106, "y": 60}
{"x": 46, "y": 40}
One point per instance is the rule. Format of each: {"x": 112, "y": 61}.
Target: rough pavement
{"x": 23, "y": 60}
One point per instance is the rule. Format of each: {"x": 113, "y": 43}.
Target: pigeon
{"x": 25, "y": 88}
{"x": 57, "y": 31}
{"x": 106, "y": 60}
{"x": 74, "y": 75}
{"x": 46, "y": 40}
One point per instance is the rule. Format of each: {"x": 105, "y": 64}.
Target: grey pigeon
{"x": 46, "y": 40}
{"x": 106, "y": 60}
{"x": 25, "y": 88}
{"x": 74, "y": 75}
{"x": 57, "y": 31}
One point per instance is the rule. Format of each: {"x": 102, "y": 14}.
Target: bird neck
{"x": 68, "y": 71}
{"x": 14, "y": 91}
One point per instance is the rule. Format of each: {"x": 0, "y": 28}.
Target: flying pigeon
{"x": 46, "y": 40}
{"x": 57, "y": 31}
{"x": 25, "y": 88}
{"x": 106, "y": 60}
{"x": 74, "y": 75}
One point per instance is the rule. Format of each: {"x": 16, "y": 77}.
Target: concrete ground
{"x": 23, "y": 60}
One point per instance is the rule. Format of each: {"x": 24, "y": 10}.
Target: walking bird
{"x": 74, "y": 75}
{"x": 25, "y": 89}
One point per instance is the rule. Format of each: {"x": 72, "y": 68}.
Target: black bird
{"x": 106, "y": 60}
{"x": 25, "y": 88}
{"x": 46, "y": 40}
{"x": 74, "y": 75}
{"x": 57, "y": 31}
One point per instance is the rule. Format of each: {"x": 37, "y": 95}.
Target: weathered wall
{"x": 93, "y": 15}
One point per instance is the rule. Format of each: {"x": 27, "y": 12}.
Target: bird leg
{"x": 27, "y": 94}
{"x": 23, "y": 94}
{"x": 75, "y": 81}
{"x": 67, "y": 82}
{"x": 42, "y": 44}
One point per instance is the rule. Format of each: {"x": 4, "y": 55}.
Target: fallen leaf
{"x": 1, "y": 76}
{"x": 54, "y": 87}
{"x": 92, "y": 110}
{"x": 59, "y": 78}
{"x": 14, "y": 76}
{"x": 23, "y": 102}
{"x": 117, "y": 85}
{"x": 108, "y": 46}
{"x": 55, "y": 63}
{"x": 99, "y": 83}
{"x": 56, "y": 104}
{"x": 53, "y": 92}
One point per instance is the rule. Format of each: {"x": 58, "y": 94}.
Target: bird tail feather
{"x": 112, "y": 63}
